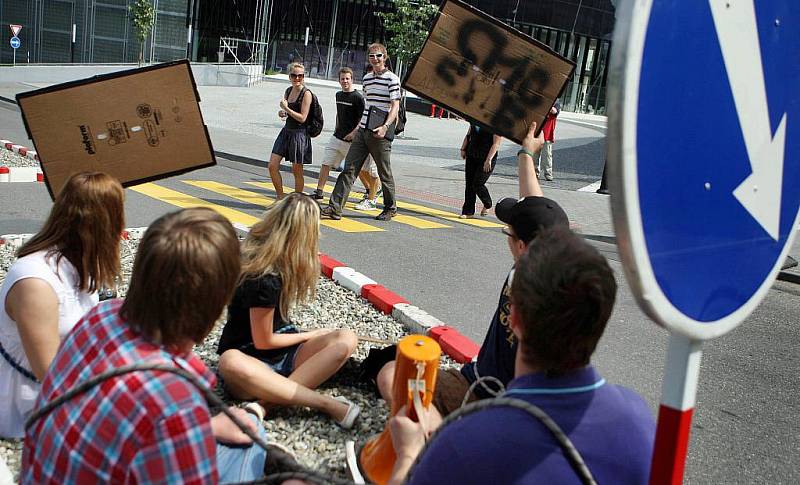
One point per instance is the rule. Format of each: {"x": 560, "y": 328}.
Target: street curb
{"x": 20, "y": 174}
{"x": 415, "y": 320}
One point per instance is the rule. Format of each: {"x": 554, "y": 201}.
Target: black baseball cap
{"x": 528, "y": 215}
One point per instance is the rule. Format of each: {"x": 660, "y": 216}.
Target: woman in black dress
{"x": 293, "y": 142}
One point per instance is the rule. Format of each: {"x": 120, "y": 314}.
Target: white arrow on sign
{"x": 737, "y": 31}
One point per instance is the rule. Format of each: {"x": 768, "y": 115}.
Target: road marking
{"x": 186, "y": 201}
{"x": 344, "y": 225}
{"x": 591, "y": 187}
{"x": 401, "y": 218}
{"x": 450, "y": 216}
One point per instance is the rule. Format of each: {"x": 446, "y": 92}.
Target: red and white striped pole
{"x": 678, "y": 393}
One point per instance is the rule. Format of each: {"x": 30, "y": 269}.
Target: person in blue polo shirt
{"x": 561, "y": 298}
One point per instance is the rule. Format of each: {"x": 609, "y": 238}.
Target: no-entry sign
{"x": 704, "y": 153}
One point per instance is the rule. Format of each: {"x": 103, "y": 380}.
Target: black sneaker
{"x": 386, "y": 215}
{"x": 329, "y": 213}
{"x": 317, "y": 194}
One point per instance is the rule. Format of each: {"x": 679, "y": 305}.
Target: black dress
{"x": 479, "y": 142}
{"x": 293, "y": 142}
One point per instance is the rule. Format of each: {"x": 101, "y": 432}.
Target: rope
{"x": 570, "y": 452}
{"x": 301, "y": 473}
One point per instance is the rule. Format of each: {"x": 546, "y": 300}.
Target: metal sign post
{"x": 705, "y": 182}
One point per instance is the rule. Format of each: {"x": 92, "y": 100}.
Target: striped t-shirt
{"x": 379, "y": 90}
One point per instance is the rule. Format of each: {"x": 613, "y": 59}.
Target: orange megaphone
{"x": 417, "y": 362}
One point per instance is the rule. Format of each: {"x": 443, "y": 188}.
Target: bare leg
{"x": 324, "y": 171}
{"x": 249, "y": 378}
{"x": 385, "y": 381}
{"x": 319, "y": 358}
{"x": 364, "y": 178}
{"x": 299, "y": 180}
{"x": 375, "y": 183}
{"x": 274, "y": 167}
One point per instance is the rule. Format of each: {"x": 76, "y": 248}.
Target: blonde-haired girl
{"x": 262, "y": 355}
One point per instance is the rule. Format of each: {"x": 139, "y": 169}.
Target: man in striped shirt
{"x": 382, "y": 91}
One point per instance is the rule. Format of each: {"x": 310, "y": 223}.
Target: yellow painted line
{"x": 185, "y": 201}
{"x": 344, "y": 225}
{"x": 450, "y": 216}
{"x": 401, "y": 218}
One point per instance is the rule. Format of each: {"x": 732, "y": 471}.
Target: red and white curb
{"x": 459, "y": 347}
{"x": 415, "y": 320}
{"x": 20, "y": 174}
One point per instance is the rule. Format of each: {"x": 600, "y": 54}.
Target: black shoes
{"x": 317, "y": 194}
{"x": 386, "y": 215}
{"x": 328, "y": 213}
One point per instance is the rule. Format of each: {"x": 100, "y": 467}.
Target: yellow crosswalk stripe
{"x": 185, "y": 201}
{"x": 431, "y": 212}
{"x": 344, "y": 225}
{"x": 401, "y": 218}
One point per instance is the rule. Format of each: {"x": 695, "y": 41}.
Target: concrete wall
{"x": 204, "y": 74}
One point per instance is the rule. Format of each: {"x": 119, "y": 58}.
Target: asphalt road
{"x": 744, "y": 428}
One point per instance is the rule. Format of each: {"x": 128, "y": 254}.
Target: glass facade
{"x": 323, "y": 34}
{"x": 103, "y": 31}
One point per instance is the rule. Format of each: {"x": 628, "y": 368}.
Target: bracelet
{"x": 523, "y": 151}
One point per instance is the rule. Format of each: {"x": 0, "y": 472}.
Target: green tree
{"x": 408, "y": 25}
{"x": 143, "y": 18}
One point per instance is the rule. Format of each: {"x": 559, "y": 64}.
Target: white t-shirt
{"x": 379, "y": 91}
{"x": 17, "y": 392}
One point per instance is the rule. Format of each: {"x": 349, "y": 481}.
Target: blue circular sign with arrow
{"x": 15, "y": 42}
{"x": 704, "y": 154}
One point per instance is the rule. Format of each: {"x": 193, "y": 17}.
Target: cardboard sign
{"x": 487, "y": 72}
{"x": 137, "y": 125}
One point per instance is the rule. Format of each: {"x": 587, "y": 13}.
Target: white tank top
{"x": 17, "y": 392}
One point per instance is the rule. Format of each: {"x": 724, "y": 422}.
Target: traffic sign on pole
{"x": 15, "y": 28}
{"x": 15, "y": 43}
{"x": 704, "y": 170}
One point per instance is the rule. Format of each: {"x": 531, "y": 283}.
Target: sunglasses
{"x": 297, "y": 76}
{"x": 507, "y": 231}
{"x": 379, "y": 55}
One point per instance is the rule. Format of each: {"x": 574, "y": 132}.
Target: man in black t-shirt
{"x": 349, "y": 106}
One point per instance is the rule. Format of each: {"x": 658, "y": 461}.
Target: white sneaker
{"x": 366, "y": 205}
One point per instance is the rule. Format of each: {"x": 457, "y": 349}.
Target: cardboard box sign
{"x": 137, "y": 125}
{"x": 487, "y": 72}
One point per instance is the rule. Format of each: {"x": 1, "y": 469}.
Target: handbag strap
{"x": 25, "y": 372}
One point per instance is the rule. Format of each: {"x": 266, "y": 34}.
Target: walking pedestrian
{"x": 53, "y": 284}
{"x": 293, "y": 142}
{"x": 479, "y": 150}
{"x": 546, "y": 155}
{"x": 349, "y": 107}
{"x": 382, "y": 89}
{"x": 263, "y": 356}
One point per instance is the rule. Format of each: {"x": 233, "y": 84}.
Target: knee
{"x": 274, "y": 164}
{"x": 233, "y": 366}
{"x": 385, "y": 380}
{"x": 345, "y": 342}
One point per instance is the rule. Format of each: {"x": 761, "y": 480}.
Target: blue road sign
{"x": 704, "y": 147}
{"x": 15, "y": 42}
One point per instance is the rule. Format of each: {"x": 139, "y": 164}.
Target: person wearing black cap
{"x": 524, "y": 217}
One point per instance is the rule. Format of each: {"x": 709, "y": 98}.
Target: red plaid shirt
{"x": 142, "y": 427}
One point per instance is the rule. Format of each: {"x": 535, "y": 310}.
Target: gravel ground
{"x": 11, "y": 159}
{"x": 317, "y": 441}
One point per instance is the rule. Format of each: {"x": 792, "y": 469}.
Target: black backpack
{"x": 314, "y": 120}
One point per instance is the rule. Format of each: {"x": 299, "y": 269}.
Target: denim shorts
{"x": 279, "y": 360}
